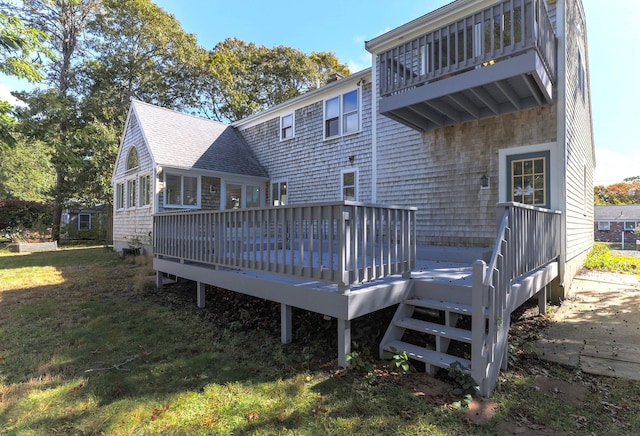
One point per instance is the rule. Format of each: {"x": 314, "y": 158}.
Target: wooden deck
{"x": 372, "y": 263}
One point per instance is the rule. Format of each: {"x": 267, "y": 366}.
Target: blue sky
{"x": 342, "y": 26}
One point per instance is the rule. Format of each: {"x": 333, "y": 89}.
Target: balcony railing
{"x": 345, "y": 242}
{"x": 506, "y": 29}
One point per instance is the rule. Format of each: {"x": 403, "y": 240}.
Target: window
{"x": 528, "y": 177}
{"x": 120, "y": 196}
{"x": 581, "y": 75}
{"x": 604, "y": 225}
{"x": 84, "y": 221}
{"x": 279, "y": 193}
{"x": 181, "y": 191}
{"x": 350, "y": 185}
{"x": 342, "y": 114}
{"x": 252, "y": 197}
{"x": 286, "y": 127}
{"x": 131, "y": 193}
{"x": 132, "y": 159}
{"x": 234, "y": 196}
{"x": 145, "y": 190}
{"x": 630, "y": 225}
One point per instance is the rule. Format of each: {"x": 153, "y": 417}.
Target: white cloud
{"x": 613, "y": 166}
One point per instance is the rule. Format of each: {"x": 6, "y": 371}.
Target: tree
{"x": 627, "y": 192}
{"x": 239, "y": 79}
{"x": 20, "y": 49}
{"x": 142, "y": 53}
{"x": 26, "y": 171}
{"x": 65, "y": 22}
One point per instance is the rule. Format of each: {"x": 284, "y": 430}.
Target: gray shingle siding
{"x": 310, "y": 164}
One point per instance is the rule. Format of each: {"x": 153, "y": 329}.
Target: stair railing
{"x": 528, "y": 238}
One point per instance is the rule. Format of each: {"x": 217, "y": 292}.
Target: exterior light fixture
{"x": 484, "y": 181}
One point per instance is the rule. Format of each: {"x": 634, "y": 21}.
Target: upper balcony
{"x": 489, "y": 62}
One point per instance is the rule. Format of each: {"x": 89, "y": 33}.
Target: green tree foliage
{"x": 19, "y": 216}
{"x": 142, "y": 53}
{"x": 26, "y": 171}
{"x": 20, "y": 48}
{"x": 627, "y": 192}
{"x": 240, "y": 79}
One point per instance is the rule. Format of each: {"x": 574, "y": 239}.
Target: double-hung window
{"x": 604, "y": 225}
{"x": 145, "y": 190}
{"x": 286, "y": 127}
{"x": 84, "y": 221}
{"x": 342, "y": 114}
{"x": 181, "y": 191}
{"x": 279, "y": 193}
{"x": 131, "y": 193}
{"x": 349, "y": 184}
{"x": 120, "y": 196}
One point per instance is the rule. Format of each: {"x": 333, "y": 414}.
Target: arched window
{"x": 132, "y": 159}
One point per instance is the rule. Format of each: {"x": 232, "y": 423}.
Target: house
{"x": 617, "y": 223}
{"x": 454, "y": 175}
{"x": 86, "y": 222}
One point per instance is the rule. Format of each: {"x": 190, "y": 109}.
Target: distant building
{"x": 612, "y": 221}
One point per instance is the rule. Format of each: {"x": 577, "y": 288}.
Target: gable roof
{"x": 629, "y": 212}
{"x": 180, "y": 140}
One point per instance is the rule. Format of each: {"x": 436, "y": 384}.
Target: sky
{"x": 343, "y": 26}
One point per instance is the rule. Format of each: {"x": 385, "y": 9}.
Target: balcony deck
{"x": 497, "y": 60}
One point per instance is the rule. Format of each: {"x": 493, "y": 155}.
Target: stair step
{"x": 429, "y": 357}
{"x": 464, "y": 309}
{"x": 435, "y": 329}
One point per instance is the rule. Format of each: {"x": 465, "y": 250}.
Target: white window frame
{"x": 604, "y": 225}
{"x": 131, "y": 194}
{"x": 144, "y": 195}
{"x": 278, "y": 183}
{"x": 119, "y": 195}
{"x": 292, "y": 126}
{"x": 79, "y": 220}
{"x": 342, "y": 114}
{"x": 629, "y": 228}
{"x": 182, "y": 205}
{"x": 355, "y": 183}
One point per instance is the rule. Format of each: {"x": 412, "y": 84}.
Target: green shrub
{"x": 20, "y": 219}
{"x": 601, "y": 259}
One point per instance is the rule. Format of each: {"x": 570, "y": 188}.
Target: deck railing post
{"x": 478, "y": 321}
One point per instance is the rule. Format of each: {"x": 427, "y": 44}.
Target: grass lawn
{"x": 89, "y": 346}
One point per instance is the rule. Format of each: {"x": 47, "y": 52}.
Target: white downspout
{"x": 562, "y": 127}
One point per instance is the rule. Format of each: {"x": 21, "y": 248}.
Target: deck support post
{"x": 542, "y": 300}
{"x": 158, "y": 279}
{"x": 200, "y": 295}
{"x": 344, "y": 341}
{"x": 285, "y": 324}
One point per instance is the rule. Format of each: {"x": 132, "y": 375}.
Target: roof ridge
{"x": 177, "y": 112}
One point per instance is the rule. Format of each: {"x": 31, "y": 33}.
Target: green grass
{"x": 600, "y": 258}
{"x": 89, "y": 346}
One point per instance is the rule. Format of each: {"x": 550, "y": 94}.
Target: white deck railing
{"x": 528, "y": 239}
{"x": 505, "y": 29}
{"x": 343, "y": 242}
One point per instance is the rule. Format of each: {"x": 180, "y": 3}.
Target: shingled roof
{"x": 186, "y": 141}
{"x": 629, "y": 212}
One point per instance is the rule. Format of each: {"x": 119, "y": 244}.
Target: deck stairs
{"x": 433, "y": 325}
